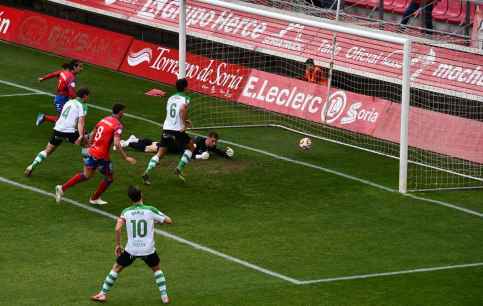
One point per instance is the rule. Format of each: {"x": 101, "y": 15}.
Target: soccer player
{"x": 174, "y": 132}
{"x": 139, "y": 220}
{"x": 65, "y": 88}
{"x": 69, "y": 126}
{"x": 106, "y": 131}
{"x": 204, "y": 146}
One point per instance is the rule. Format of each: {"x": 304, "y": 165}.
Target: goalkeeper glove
{"x": 229, "y": 152}
{"x": 205, "y": 155}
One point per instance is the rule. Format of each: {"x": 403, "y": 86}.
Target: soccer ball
{"x": 305, "y": 143}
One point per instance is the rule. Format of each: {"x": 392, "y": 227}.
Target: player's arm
{"x": 159, "y": 217}
{"x": 81, "y": 129}
{"x": 119, "y": 224}
{"x": 184, "y": 115}
{"x": 49, "y": 76}
{"x": 117, "y": 144}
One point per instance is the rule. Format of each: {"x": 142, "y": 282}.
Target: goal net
{"x": 255, "y": 70}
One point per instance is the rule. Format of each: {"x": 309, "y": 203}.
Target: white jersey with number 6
{"x": 69, "y": 116}
{"x": 140, "y": 220}
{"x": 173, "y": 121}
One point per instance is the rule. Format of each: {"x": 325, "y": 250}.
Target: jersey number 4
{"x": 139, "y": 228}
{"x": 66, "y": 111}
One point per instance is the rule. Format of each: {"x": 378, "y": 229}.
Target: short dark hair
{"x": 82, "y": 92}
{"x": 181, "y": 85}
{"x": 309, "y": 62}
{"x": 213, "y": 134}
{"x": 117, "y": 108}
{"x": 134, "y": 193}
{"x": 72, "y": 64}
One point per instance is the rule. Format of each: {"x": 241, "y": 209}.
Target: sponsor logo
{"x": 279, "y": 40}
{"x": 33, "y": 30}
{"x": 141, "y": 56}
{"x": 422, "y": 62}
{"x": 334, "y": 108}
{"x": 110, "y": 2}
{"x": 4, "y": 23}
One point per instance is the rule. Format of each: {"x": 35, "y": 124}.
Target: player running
{"x": 139, "y": 220}
{"x": 106, "y": 131}
{"x": 69, "y": 126}
{"x": 174, "y": 132}
{"x": 65, "y": 88}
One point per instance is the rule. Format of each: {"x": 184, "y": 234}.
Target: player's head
{"x": 74, "y": 65}
{"x": 309, "y": 63}
{"x": 181, "y": 85}
{"x": 118, "y": 109}
{"x": 134, "y": 194}
{"x": 212, "y": 139}
{"x": 83, "y": 93}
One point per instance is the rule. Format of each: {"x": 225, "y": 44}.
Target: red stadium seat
{"x": 455, "y": 12}
{"x": 440, "y": 10}
{"x": 388, "y": 5}
{"x": 399, "y": 6}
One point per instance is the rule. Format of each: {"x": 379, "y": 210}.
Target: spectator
{"x": 314, "y": 73}
{"x": 426, "y": 7}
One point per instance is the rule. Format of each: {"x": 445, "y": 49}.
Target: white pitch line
{"x": 276, "y": 156}
{"x": 21, "y": 94}
{"x": 334, "y": 279}
{"x": 158, "y": 231}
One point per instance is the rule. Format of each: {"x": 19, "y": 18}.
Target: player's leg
{"x": 90, "y": 166}
{"x": 154, "y": 161}
{"x": 59, "y": 102}
{"x": 42, "y": 155}
{"x": 106, "y": 169}
{"x": 186, "y": 157}
{"x": 152, "y": 261}
{"x": 122, "y": 262}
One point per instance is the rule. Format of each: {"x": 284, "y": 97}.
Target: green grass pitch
{"x": 290, "y": 219}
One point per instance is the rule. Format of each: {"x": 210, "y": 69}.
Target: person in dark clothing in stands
{"x": 205, "y": 146}
{"x": 426, "y": 7}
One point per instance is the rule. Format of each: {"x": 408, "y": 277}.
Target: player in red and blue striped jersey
{"x": 65, "y": 91}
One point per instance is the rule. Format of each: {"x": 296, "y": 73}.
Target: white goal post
{"x": 404, "y": 42}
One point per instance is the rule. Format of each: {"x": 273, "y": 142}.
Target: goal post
{"x": 335, "y": 27}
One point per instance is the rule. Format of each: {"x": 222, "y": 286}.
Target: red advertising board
{"x": 212, "y": 77}
{"x": 437, "y": 67}
{"x": 71, "y": 39}
{"x": 10, "y": 19}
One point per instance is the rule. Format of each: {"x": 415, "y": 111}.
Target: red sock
{"x": 51, "y": 118}
{"x": 100, "y": 189}
{"x": 79, "y": 177}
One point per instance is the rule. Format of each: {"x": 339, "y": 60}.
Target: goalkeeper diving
{"x": 205, "y": 147}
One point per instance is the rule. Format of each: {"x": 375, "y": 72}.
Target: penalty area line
{"x": 21, "y": 94}
{"x": 279, "y": 157}
{"x": 165, "y": 234}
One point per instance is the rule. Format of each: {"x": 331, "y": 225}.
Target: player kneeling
{"x": 139, "y": 220}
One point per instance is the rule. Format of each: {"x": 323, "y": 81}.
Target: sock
{"x": 109, "y": 282}
{"x": 38, "y": 159}
{"x": 161, "y": 282}
{"x": 101, "y": 188}
{"x": 152, "y": 163}
{"x": 185, "y": 159}
{"x": 51, "y": 118}
{"x": 79, "y": 177}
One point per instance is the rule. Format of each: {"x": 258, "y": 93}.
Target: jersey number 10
{"x": 139, "y": 228}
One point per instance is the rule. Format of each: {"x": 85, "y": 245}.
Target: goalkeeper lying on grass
{"x": 205, "y": 146}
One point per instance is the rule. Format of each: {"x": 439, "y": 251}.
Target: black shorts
{"x": 57, "y": 137}
{"x": 174, "y": 140}
{"x": 127, "y": 259}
